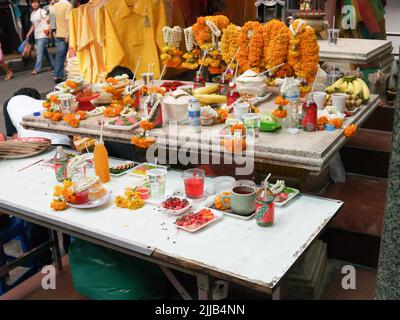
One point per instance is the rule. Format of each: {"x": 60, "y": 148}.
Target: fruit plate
{"x": 122, "y": 171}
{"x": 92, "y": 204}
{"x": 141, "y": 169}
{"x": 291, "y": 192}
{"x": 176, "y": 212}
{"x": 217, "y": 216}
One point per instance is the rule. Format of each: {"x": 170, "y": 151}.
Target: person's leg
{"x": 48, "y": 55}
{"x": 40, "y": 49}
{"x": 9, "y": 73}
{"x": 61, "y": 54}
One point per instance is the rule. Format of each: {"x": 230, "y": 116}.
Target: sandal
{"x": 34, "y": 72}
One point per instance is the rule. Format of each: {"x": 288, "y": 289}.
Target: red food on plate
{"x": 82, "y": 197}
{"x": 281, "y": 197}
{"x": 197, "y": 219}
{"x": 175, "y": 203}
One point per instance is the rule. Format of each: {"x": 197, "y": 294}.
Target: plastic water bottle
{"x": 194, "y": 111}
{"x": 60, "y": 161}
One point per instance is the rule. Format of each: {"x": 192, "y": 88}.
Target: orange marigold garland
{"x": 276, "y": 45}
{"x": 251, "y": 50}
{"x": 304, "y": 51}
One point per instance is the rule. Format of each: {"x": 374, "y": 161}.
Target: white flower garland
{"x": 189, "y": 39}
{"x": 215, "y": 32}
{"x": 172, "y": 36}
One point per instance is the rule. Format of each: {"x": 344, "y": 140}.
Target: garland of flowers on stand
{"x": 304, "y": 51}
{"x": 193, "y": 51}
{"x": 276, "y": 47}
{"x": 171, "y": 55}
{"x": 250, "y": 55}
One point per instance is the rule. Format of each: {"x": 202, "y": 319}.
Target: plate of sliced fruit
{"x": 121, "y": 169}
{"x": 193, "y": 222}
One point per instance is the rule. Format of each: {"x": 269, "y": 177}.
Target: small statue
{"x": 305, "y": 5}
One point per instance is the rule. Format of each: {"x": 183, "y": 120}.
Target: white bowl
{"x": 223, "y": 183}
{"x": 176, "y": 212}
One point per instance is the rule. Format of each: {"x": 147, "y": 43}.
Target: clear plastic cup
{"x": 194, "y": 183}
{"x": 157, "y": 179}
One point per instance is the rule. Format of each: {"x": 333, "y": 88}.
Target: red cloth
{"x": 368, "y": 16}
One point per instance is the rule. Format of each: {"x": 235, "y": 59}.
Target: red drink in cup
{"x": 194, "y": 183}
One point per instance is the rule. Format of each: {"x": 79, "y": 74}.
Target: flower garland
{"x": 189, "y": 38}
{"x": 73, "y": 119}
{"x": 114, "y": 110}
{"x": 131, "y": 200}
{"x": 276, "y": 45}
{"x": 230, "y": 43}
{"x": 304, "y": 51}
{"x": 350, "y": 130}
{"x": 64, "y": 193}
{"x": 207, "y": 28}
{"x": 251, "y": 50}
{"x": 213, "y": 62}
{"x": 143, "y": 141}
{"x": 171, "y": 55}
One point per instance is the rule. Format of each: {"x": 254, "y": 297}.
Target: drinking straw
{"x": 101, "y": 131}
{"x": 229, "y": 65}
{"x": 162, "y": 72}
{"x": 265, "y": 184}
{"x": 334, "y": 17}
{"x": 137, "y": 67}
{"x": 236, "y": 70}
{"x": 315, "y": 81}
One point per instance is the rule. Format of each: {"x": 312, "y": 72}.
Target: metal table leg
{"x": 205, "y": 286}
{"x": 56, "y": 249}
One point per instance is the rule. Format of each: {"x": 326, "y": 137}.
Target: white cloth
{"x": 39, "y": 21}
{"x": 20, "y": 106}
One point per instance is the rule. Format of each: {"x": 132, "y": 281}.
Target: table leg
{"x": 276, "y": 294}
{"x": 204, "y": 287}
{"x": 175, "y": 282}
{"x": 56, "y": 249}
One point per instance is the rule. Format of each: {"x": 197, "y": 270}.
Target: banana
{"x": 205, "y": 90}
{"x": 337, "y": 84}
{"x": 357, "y": 88}
{"x": 365, "y": 90}
{"x": 330, "y": 89}
{"x": 343, "y": 87}
{"x": 207, "y": 99}
{"x": 350, "y": 88}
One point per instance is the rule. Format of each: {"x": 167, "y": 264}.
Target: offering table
{"x": 231, "y": 249}
{"x": 306, "y": 152}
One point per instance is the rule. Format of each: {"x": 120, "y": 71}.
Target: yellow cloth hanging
{"x": 132, "y": 29}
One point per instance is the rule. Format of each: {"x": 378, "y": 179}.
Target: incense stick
{"x": 273, "y": 68}
{"x": 229, "y": 65}
{"x": 137, "y": 67}
{"x": 162, "y": 72}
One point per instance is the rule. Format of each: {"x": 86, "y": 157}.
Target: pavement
{"x": 43, "y": 82}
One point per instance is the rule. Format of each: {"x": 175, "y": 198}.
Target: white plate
{"x": 290, "y": 197}
{"x": 93, "y": 204}
{"x": 176, "y": 212}
{"x": 217, "y": 216}
{"x": 124, "y": 172}
{"x": 123, "y": 128}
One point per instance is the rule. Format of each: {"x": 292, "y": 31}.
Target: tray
{"x": 123, "y": 172}
{"x": 217, "y": 216}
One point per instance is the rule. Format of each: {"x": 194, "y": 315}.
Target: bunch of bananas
{"x": 352, "y": 86}
{"x": 207, "y": 96}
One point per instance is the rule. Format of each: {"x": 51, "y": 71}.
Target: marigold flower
{"x": 350, "y": 130}
{"x": 146, "y": 125}
{"x": 58, "y": 205}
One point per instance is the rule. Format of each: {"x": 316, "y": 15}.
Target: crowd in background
{"x": 39, "y": 24}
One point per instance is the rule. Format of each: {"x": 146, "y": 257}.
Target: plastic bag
{"x": 21, "y": 47}
{"x": 103, "y": 274}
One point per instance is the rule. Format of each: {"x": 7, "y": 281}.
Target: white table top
{"x": 238, "y": 248}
